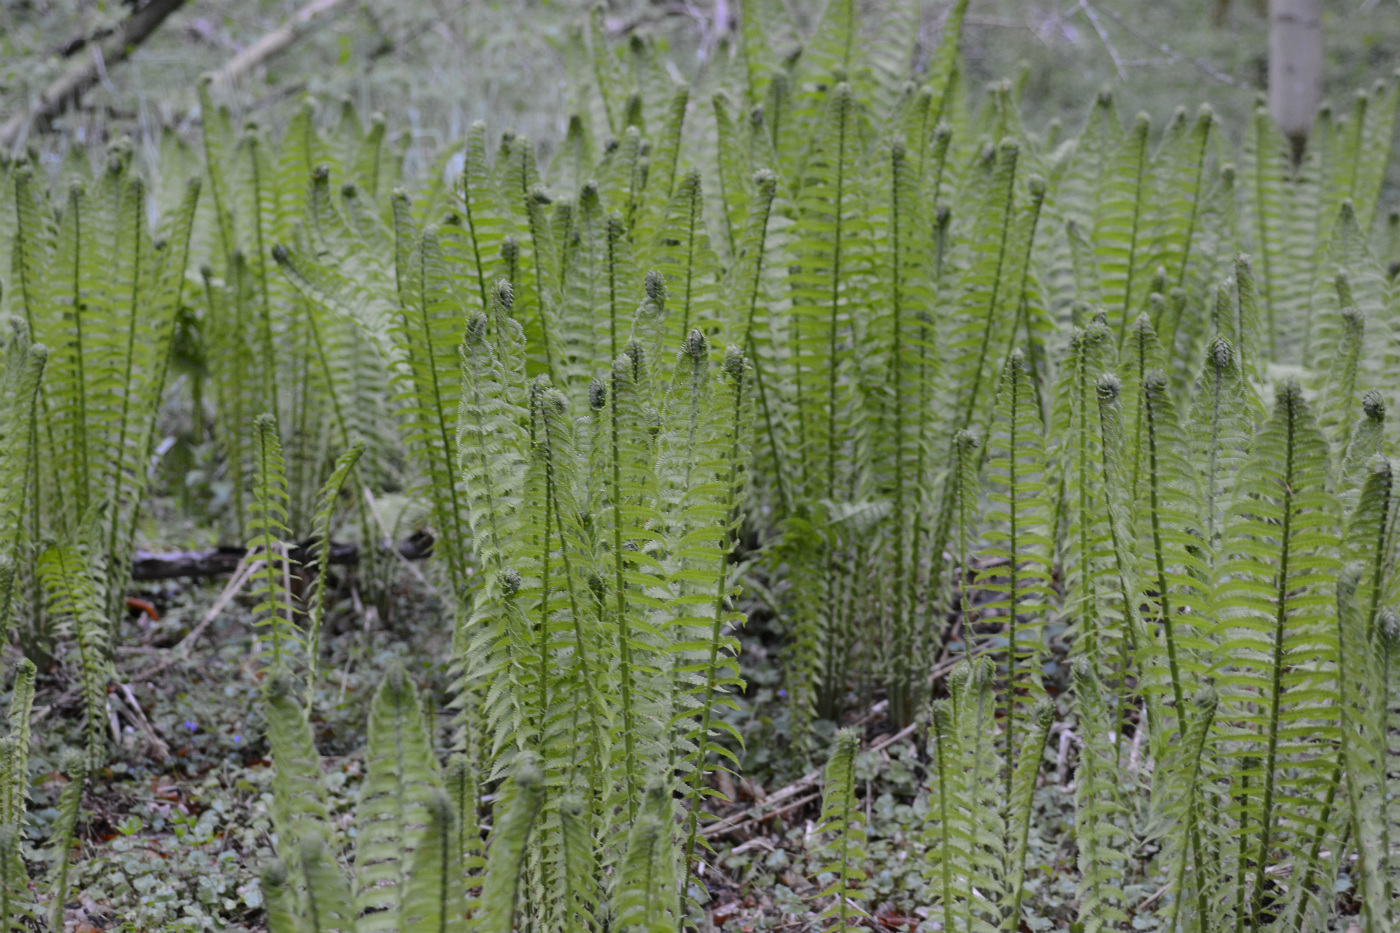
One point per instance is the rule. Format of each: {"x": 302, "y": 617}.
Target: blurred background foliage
{"x": 434, "y": 66}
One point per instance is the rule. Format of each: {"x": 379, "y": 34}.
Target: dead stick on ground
{"x": 181, "y": 651}
{"x": 803, "y": 784}
{"x": 812, "y": 778}
{"x": 274, "y": 43}
{"x": 70, "y": 86}
{"x": 157, "y": 745}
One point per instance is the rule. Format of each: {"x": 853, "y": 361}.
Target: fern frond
{"x": 298, "y": 794}
{"x": 1017, "y": 536}
{"x": 73, "y": 596}
{"x": 70, "y": 803}
{"x": 326, "y": 501}
{"x": 434, "y": 895}
{"x": 1024, "y": 773}
{"x": 279, "y": 899}
{"x": 267, "y": 523}
{"x": 646, "y": 890}
{"x": 501, "y": 895}
{"x": 398, "y": 794}
{"x": 1103, "y": 839}
{"x": 844, "y": 824}
{"x": 1278, "y": 644}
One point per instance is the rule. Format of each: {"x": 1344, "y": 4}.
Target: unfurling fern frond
{"x": 1100, "y": 814}
{"x": 645, "y": 892}
{"x": 965, "y": 835}
{"x": 267, "y": 523}
{"x": 326, "y": 501}
{"x": 73, "y": 597}
{"x": 434, "y": 895}
{"x": 70, "y": 803}
{"x": 844, "y": 825}
{"x": 299, "y": 805}
{"x": 279, "y": 898}
{"x": 326, "y": 900}
{"x": 506, "y": 881}
{"x": 401, "y": 783}
{"x": 1278, "y": 646}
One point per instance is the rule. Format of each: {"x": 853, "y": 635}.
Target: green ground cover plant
{"x": 1065, "y": 458}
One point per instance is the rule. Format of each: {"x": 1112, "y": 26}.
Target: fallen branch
{"x": 804, "y": 785}
{"x": 274, "y": 43}
{"x": 181, "y": 652}
{"x": 216, "y": 562}
{"x": 68, "y": 89}
{"x": 154, "y": 743}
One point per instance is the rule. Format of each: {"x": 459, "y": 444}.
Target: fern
{"x": 326, "y": 502}
{"x": 501, "y": 899}
{"x": 1275, "y": 612}
{"x": 1186, "y": 798}
{"x": 1018, "y": 542}
{"x": 645, "y": 884}
{"x": 724, "y": 508}
{"x": 1099, "y": 810}
{"x": 70, "y": 802}
{"x": 400, "y": 792}
{"x": 843, "y": 821}
{"x": 267, "y": 522}
{"x": 14, "y": 909}
{"x": 73, "y": 596}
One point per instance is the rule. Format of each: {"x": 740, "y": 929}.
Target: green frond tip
{"x": 696, "y": 346}
{"x": 1109, "y": 387}
{"x": 735, "y": 363}
{"x": 506, "y": 862}
{"x": 1373, "y": 406}
{"x": 278, "y": 898}
{"x": 1388, "y": 629}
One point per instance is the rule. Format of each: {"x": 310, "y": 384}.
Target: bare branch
{"x": 302, "y": 22}
{"x": 67, "y": 90}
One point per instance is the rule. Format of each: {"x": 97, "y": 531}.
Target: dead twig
{"x": 1173, "y": 56}
{"x": 1093, "y": 18}
{"x": 67, "y": 90}
{"x": 181, "y": 652}
{"x": 159, "y": 749}
{"x": 275, "y": 42}
{"x": 803, "y": 785}
{"x": 215, "y": 562}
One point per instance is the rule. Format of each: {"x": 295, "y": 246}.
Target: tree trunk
{"x": 1295, "y": 66}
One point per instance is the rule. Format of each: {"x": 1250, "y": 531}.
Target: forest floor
{"x": 175, "y": 830}
{"x": 177, "y": 827}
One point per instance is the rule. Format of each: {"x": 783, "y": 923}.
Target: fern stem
{"x": 624, "y": 631}
{"x": 1159, "y": 560}
{"x": 265, "y": 318}
{"x": 1013, "y": 539}
{"x": 945, "y": 863}
{"x": 1280, "y": 619}
{"x": 833, "y": 321}
{"x": 119, "y": 454}
{"x": 79, "y": 351}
